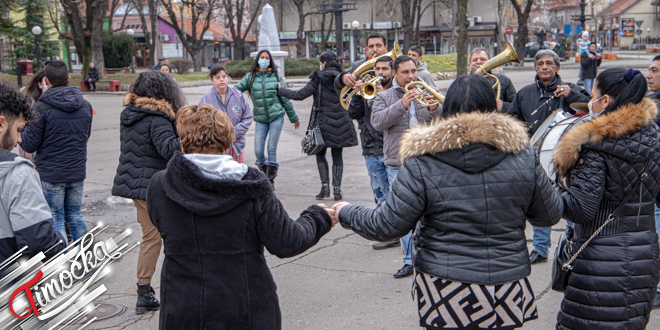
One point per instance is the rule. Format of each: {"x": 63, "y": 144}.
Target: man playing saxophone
{"x": 395, "y": 110}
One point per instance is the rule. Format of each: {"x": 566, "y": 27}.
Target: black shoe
{"x": 535, "y": 258}
{"x": 405, "y": 271}
{"x": 385, "y": 245}
{"x": 338, "y": 193}
{"x": 146, "y": 300}
{"x": 271, "y": 173}
{"x": 325, "y": 191}
{"x": 337, "y": 172}
{"x": 656, "y": 303}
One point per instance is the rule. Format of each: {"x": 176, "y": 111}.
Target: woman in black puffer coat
{"x": 614, "y": 279}
{"x": 336, "y": 126}
{"x": 148, "y": 141}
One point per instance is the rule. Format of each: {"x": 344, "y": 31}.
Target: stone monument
{"x": 269, "y": 38}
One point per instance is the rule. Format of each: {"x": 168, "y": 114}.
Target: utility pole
{"x": 337, "y": 8}
{"x": 453, "y": 27}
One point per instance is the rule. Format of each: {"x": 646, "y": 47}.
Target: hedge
{"x": 293, "y": 67}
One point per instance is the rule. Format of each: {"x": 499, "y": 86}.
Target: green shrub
{"x": 117, "y": 49}
{"x": 292, "y": 67}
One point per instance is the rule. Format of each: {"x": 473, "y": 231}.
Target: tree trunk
{"x": 238, "y": 48}
{"x": 300, "y": 42}
{"x": 523, "y": 27}
{"x": 462, "y": 25}
{"x": 407, "y": 22}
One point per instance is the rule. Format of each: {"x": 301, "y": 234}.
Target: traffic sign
{"x": 638, "y": 32}
{"x": 639, "y": 23}
{"x": 509, "y": 30}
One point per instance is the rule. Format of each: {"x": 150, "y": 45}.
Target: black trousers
{"x": 336, "y": 156}
{"x": 89, "y": 88}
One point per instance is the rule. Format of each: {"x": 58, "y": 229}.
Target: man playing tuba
{"x": 376, "y": 46}
{"x": 478, "y": 57}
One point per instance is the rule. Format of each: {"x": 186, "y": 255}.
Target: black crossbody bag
{"x": 313, "y": 141}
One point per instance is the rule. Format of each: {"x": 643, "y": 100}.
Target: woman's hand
{"x": 278, "y": 85}
{"x": 296, "y": 124}
{"x": 332, "y": 213}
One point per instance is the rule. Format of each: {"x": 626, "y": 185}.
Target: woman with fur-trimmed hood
{"x": 473, "y": 179}
{"x": 336, "y": 126}
{"x": 148, "y": 140}
{"x": 614, "y": 278}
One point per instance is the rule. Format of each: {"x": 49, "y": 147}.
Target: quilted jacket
{"x": 267, "y": 106}
{"x": 467, "y": 184}
{"x": 336, "y": 126}
{"x": 148, "y": 140}
{"x": 614, "y": 279}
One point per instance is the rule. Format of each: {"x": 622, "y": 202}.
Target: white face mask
{"x": 590, "y": 105}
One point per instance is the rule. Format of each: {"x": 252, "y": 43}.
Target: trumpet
{"x": 368, "y": 89}
{"x": 364, "y": 70}
{"x": 422, "y": 91}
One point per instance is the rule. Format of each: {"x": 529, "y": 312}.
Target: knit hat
{"x": 585, "y": 34}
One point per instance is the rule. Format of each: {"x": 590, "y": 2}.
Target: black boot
{"x": 146, "y": 300}
{"x": 271, "y": 173}
{"x": 262, "y": 168}
{"x": 337, "y": 171}
{"x": 325, "y": 180}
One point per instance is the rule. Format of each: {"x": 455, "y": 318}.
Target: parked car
{"x": 531, "y": 48}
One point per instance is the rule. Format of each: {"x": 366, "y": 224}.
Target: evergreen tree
{"x": 34, "y": 14}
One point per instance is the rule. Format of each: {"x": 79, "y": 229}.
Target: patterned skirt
{"x": 445, "y": 304}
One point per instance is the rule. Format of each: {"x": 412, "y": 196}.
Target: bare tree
{"x": 502, "y": 21}
{"x": 201, "y": 13}
{"x": 523, "y": 25}
{"x": 152, "y": 32}
{"x": 421, "y": 9}
{"x": 239, "y": 18}
{"x": 300, "y": 7}
{"x": 325, "y": 36}
{"x": 409, "y": 11}
{"x": 462, "y": 25}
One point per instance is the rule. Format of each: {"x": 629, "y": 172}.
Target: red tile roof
{"x": 618, "y": 7}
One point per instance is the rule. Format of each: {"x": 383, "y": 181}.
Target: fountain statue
{"x": 269, "y": 38}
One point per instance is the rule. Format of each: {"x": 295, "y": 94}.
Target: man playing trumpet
{"x": 395, "y": 110}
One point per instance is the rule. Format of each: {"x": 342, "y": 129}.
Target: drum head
{"x": 551, "y": 138}
{"x": 555, "y": 117}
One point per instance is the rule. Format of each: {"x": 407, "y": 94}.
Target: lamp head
{"x": 36, "y": 30}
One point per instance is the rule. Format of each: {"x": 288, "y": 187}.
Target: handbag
{"x": 562, "y": 265}
{"x": 313, "y": 141}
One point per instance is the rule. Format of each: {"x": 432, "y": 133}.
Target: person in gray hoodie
{"x": 25, "y": 218}
{"x": 232, "y": 102}
{"x": 423, "y": 74}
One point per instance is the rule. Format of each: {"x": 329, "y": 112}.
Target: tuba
{"x": 363, "y": 72}
{"x": 507, "y": 56}
{"x": 422, "y": 91}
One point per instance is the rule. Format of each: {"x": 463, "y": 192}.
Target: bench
{"x": 116, "y": 70}
{"x": 115, "y": 85}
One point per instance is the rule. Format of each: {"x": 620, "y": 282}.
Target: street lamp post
{"x": 354, "y": 41}
{"x": 648, "y": 35}
{"x": 131, "y": 32}
{"x": 36, "y": 30}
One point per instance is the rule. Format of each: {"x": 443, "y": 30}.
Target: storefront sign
{"x": 382, "y": 25}
{"x": 288, "y": 35}
{"x": 208, "y": 35}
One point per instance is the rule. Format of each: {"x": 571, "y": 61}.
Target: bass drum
{"x": 547, "y": 136}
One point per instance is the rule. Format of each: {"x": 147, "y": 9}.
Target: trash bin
{"x": 27, "y": 67}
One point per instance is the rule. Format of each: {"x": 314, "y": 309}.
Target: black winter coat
{"x": 215, "y": 275}
{"x": 59, "y": 135}
{"x": 371, "y": 139}
{"x": 93, "y": 73}
{"x": 531, "y": 103}
{"x": 336, "y": 126}
{"x": 589, "y": 67}
{"x": 614, "y": 279}
{"x": 473, "y": 180}
{"x": 148, "y": 140}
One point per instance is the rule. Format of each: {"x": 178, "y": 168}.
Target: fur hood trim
{"x": 150, "y": 104}
{"x": 501, "y": 131}
{"x": 610, "y": 125}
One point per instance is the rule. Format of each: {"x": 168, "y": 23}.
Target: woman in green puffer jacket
{"x": 268, "y": 110}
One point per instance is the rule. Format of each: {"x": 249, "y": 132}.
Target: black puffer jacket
{"x": 148, "y": 141}
{"x": 371, "y": 139}
{"x": 530, "y": 103}
{"x": 614, "y": 279}
{"x": 472, "y": 179}
{"x": 335, "y": 124}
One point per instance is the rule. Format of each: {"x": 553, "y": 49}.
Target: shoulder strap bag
{"x": 562, "y": 265}
{"x": 313, "y": 141}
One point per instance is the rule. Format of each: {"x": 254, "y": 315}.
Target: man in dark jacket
{"x": 478, "y": 57}
{"x": 589, "y": 63}
{"x": 25, "y": 220}
{"x": 653, "y": 79}
{"x": 59, "y": 137}
{"x": 372, "y": 139}
{"x": 92, "y": 77}
{"x": 533, "y": 104}
{"x": 394, "y": 111}
{"x": 376, "y": 46}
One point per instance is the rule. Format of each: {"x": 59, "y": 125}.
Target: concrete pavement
{"x": 341, "y": 283}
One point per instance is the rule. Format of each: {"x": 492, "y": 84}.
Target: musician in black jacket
{"x": 536, "y": 101}
{"x": 533, "y": 104}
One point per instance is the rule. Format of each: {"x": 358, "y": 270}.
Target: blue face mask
{"x": 263, "y": 64}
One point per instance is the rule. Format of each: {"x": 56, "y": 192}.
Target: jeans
{"x": 406, "y": 241}
{"x": 378, "y": 175}
{"x": 588, "y": 84}
{"x": 657, "y": 229}
{"x": 272, "y": 130}
{"x": 542, "y": 239}
{"x": 64, "y": 200}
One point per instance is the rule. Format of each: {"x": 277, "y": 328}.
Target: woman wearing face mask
{"x": 268, "y": 110}
{"x": 600, "y": 163}
{"x": 336, "y": 126}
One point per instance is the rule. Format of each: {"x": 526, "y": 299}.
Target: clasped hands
{"x": 333, "y": 211}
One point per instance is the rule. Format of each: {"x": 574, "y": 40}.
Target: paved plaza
{"x": 341, "y": 283}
